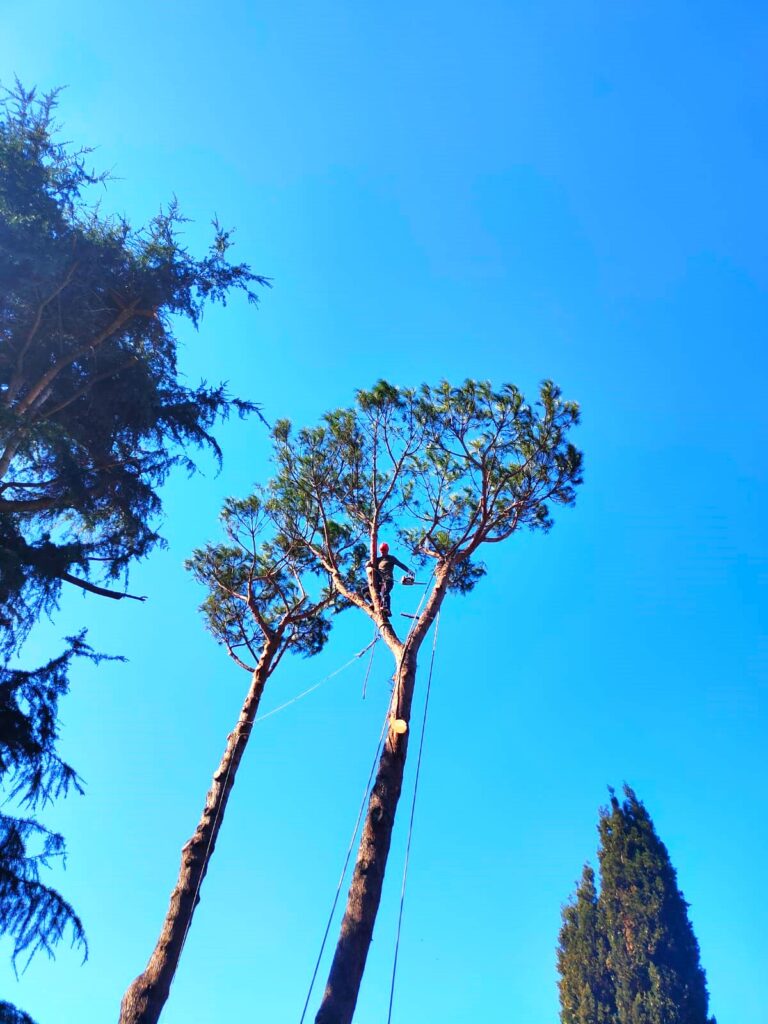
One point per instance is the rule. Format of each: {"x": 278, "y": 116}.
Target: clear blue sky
{"x": 510, "y": 191}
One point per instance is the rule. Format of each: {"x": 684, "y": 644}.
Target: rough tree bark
{"x": 346, "y": 973}
{"x": 145, "y": 998}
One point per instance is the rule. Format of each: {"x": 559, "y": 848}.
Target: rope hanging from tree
{"x": 363, "y": 802}
{"x": 244, "y": 734}
{"x": 366, "y": 796}
{"x": 410, "y": 824}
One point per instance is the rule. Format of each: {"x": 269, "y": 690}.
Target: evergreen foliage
{"x": 630, "y": 955}
{"x": 93, "y": 412}
{"x": 442, "y": 470}
{"x": 260, "y": 588}
{"x": 586, "y": 988}
{"x": 33, "y": 915}
{"x": 265, "y": 599}
{"x": 11, "y": 1015}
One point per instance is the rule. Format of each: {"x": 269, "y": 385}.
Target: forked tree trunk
{"x": 145, "y": 998}
{"x": 346, "y": 974}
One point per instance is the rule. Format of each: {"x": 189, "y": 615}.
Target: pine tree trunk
{"x": 364, "y": 897}
{"x": 145, "y": 998}
{"x": 346, "y": 972}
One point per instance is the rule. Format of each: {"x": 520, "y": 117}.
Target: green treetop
{"x": 653, "y": 954}
{"x": 630, "y": 955}
{"x": 93, "y": 410}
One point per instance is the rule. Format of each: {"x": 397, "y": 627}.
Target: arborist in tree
{"x": 384, "y": 574}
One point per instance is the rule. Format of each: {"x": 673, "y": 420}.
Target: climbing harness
{"x": 410, "y": 824}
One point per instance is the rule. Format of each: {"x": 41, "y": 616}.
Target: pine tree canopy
{"x": 630, "y": 955}
{"x": 93, "y": 412}
{"x": 265, "y": 599}
{"x": 260, "y": 588}
{"x": 438, "y": 470}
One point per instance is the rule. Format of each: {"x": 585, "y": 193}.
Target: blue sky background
{"x": 509, "y": 191}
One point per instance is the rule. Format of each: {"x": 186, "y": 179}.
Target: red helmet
{"x": 384, "y": 548}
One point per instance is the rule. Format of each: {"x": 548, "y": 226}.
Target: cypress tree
{"x": 653, "y": 954}
{"x": 629, "y": 954}
{"x": 586, "y": 987}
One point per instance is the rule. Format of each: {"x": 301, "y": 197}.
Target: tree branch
{"x": 88, "y": 387}
{"x": 101, "y": 591}
{"x": 120, "y": 320}
{"x": 17, "y": 378}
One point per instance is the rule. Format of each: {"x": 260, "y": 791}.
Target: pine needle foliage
{"x": 93, "y": 410}
{"x": 629, "y": 954}
{"x": 260, "y": 589}
{"x": 443, "y": 470}
{"x": 265, "y": 600}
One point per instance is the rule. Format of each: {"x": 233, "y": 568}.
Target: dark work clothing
{"x": 386, "y": 566}
{"x": 384, "y": 577}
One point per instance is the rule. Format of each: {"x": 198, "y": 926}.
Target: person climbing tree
{"x": 384, "y": 574}
{"x": 264, "y": 601}
{"x": 446, "y": 470}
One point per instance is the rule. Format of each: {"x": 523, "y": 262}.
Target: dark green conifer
{"x": 94, "y": 411}
{"x": 586, "y": 987}
{"x": 34, "y": 916}
{"x": 653, "y": 954}
{"x": 629, "y": 955}
{"x": 12, "y": 1015}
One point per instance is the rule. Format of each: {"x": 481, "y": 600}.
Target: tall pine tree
{"x": 630, "y": 955}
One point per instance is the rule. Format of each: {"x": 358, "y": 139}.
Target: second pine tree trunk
{"x": 145, "y": 998}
